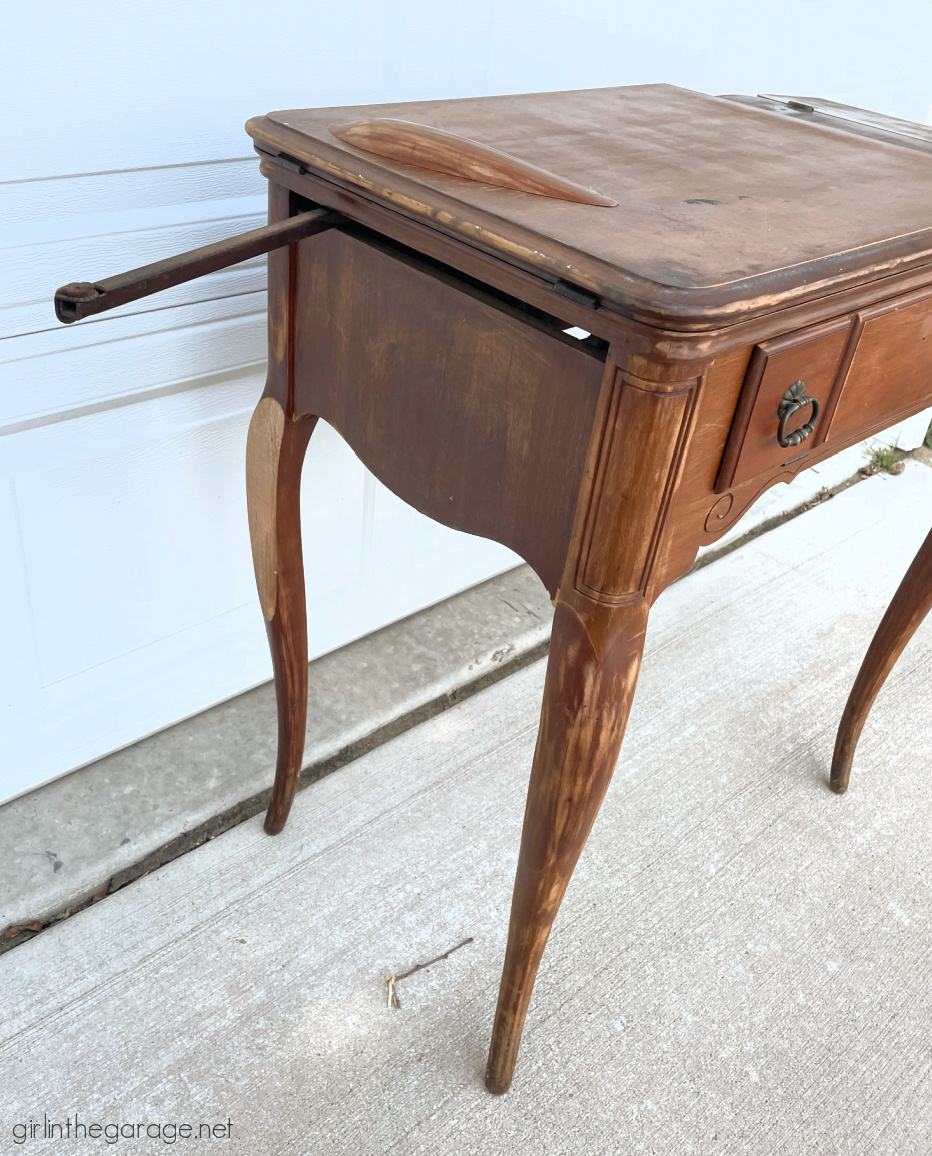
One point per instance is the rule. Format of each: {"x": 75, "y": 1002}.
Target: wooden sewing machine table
{"x": 755, "y": 277}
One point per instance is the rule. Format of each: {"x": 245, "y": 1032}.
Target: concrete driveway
{"x": 742, "y": 963}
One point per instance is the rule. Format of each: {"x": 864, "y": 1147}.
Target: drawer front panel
{"x": 813, "y": 356}
{"x": 891, "y": 371}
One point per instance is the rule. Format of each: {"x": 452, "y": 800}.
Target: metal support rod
{"x": 81, "y": 299}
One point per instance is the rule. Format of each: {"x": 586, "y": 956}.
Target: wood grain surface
{"x": 263, "y": 449}
{"x": 892, "y": 365}
{"x": 595, "y": 656}
{"x": 458, "y": 156}
{"x": 476, "y": 413}
{"x": 725, "y": 210}
{"x": 910, "y": 606}
{"x": 639, "y": 441}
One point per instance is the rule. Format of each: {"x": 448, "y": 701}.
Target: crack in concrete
{"x": 21, "y": 932}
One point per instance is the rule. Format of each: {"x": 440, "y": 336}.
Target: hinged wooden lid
{"x": 724, "y": 211}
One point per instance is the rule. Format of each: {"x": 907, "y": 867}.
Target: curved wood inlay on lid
{"x": 458, "y": 156}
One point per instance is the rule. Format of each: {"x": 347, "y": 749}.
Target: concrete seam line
{"x": 22, "y": 932}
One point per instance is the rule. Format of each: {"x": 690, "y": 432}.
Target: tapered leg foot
{"x": 274, "y": 456}
{"x": 911, "y": 603}
{"x": 594, "y": 660}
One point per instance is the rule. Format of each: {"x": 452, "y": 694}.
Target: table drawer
{"x": 856, "y": 375}
{"x": 812, "y": 357}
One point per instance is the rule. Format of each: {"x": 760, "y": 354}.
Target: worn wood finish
{"x": 595, "y": 656}
{"x": 263, "y": 453}
{"x": 457, "y": 254}
{"x": 600, "y": 317}
{"x": 475, "y": 412}
{"x": 644, "y": 429}
{"x": 275, "y": 451}
{"x": 647, "y": 499}
{"x": 891, "y": 367}
{"x": 594, "y": 661}
{"x": 458, "y": 156}
{"x": 726, "y": 211}
{"x": 910, "y": 605}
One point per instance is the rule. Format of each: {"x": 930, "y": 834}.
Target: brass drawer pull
{"x": 793, "y": 400}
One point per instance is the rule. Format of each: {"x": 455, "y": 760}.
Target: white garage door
{"x": 128, "y": 600}
{"x": 127, "y": 589}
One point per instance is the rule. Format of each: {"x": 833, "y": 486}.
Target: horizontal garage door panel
{"x": 125, "y": 569}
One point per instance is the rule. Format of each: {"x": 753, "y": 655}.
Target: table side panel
{"x": 475, "y": 417}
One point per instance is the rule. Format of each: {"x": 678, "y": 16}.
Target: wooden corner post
{"x": 640, "y": 436}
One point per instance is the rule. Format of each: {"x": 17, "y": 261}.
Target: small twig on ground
{"x": 393, "y": 1000}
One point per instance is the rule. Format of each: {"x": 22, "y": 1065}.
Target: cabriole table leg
{"x": 594, "y": 660}
{"x": 911, "y": 603}
{"x": 275, "y": 452}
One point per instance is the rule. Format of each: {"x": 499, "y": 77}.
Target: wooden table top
{"x": 724, "y": 209}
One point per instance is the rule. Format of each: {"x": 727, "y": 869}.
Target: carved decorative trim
{"x": 724, "y": 513}
{"x": 639, "y": 460}
{"x": 718, "y": 517}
